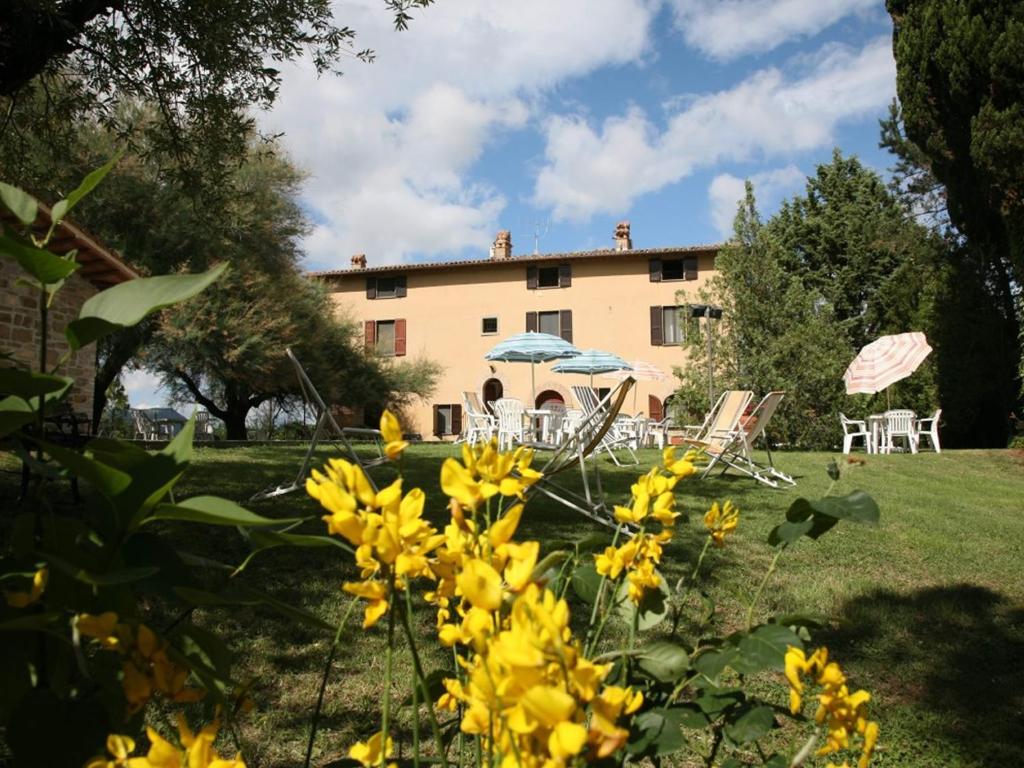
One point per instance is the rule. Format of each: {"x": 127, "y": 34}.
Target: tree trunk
{"x": 236, "y": 408}
{"x": 120, "y": 349}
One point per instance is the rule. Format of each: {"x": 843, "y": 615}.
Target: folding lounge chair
{"x": 720, "y": 426}
{"x": 579, "y": 445}
{"x": 737, "y": 451}
{"x": 327, "y": 428}
{"x": 694, "y": 431}
{"x": 615, "y": 436}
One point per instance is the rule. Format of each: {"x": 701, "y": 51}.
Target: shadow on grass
{"x": 956, "y": 652}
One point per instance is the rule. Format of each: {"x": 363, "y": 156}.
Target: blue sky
{"x": 569, "y": 116}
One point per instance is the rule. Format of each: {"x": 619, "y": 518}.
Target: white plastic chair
{"x": 657, "y": 431}
{"x": 509, "y": 412}
{"x": 477, "y": 424}
{"x": 615, "y": 437}
{"x": 929, "y": 428}
{"x": 852, "y": 429}
{"x": 902, "y": 424}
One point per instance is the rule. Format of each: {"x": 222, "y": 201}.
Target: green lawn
{"x": 926, "y": 611}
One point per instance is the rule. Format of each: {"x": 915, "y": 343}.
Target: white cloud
{"x": 590, "y": 171}
{"x": 140, "y": 380}
{"x": 728, "y": 29}
{"x": 770, "y": 187}
{"x": 390, "y": 145}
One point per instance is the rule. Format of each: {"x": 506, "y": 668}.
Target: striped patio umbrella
{"x": 885, "y": 361}
{"x": 592, "y": 361}
{"x": 642, "y": 371}
{"x": 532, "y": 347}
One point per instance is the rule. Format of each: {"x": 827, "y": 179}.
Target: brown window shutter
{"x": 654, "y": 409}
{"x": 456, "y": 419}
{"x": 371, "y": 287}
{"x": 657, "y": 337}
{"x": 655, "y": 269}
{"x": 399, "y": 338}
{"x": 370, "y": 332}
{"x": 564, "y": 275}
{"x": 565, "y": 324}
{"x": 531, "y": 278}
{"x": 531, "y": 321}
{"x": 437, "y": 420}
{"x": 400, "y": 286}
{"x": 689, "y": 269}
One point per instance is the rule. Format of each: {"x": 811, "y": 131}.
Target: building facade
{"x": 20, "y": 330}
{"x": 622, "y": 300}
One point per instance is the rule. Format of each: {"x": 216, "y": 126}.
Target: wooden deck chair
{"x": 326, "y": 428}
{"x": 615, "y": 436}
{"x": 581, "y": 444}
{"x": 721, "y": 424}
{"x": 738, "y": 452}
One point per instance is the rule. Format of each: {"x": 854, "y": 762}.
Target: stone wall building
{"x": 20, "y": 329}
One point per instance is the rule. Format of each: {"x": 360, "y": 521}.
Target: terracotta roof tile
{"x": 530, "y": 258}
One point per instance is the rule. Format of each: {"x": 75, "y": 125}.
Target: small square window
{"x": 547, "y": 277}
{"x": 489, "y": 326}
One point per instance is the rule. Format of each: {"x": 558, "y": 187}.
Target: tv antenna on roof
{"x": 538, "y": 234}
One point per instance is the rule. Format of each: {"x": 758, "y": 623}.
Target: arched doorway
{"x": 493, "y": 390}
{"x": 549, "y": 396}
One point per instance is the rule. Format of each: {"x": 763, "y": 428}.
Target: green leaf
{"x": 28, "y": 384}
{"x": 62, "y": 207}
{"x": 656, "y": 732}
{"x": 665, "y": 662}
{"x": 14, "y": 414}
{"x": 240, "y": 594}
{"x": 712, "y": 663}
{"x": 212, "y": 510}
{"x": 33, "y": 622}
{"x": 109, "y": 482}
{"x": 764, "y": 648}
{"x": 653, "y": 609}
{"x": 586, "y": 582}
{"x": 857, "y": 507}
{"x": 833, "y": 470}
{"x": 107, "y": 579}
{"x": 44, "y": 266}
{"x": 20, "y": 203}
{"x": 126, "y": 304}
{"x": 691, "y": 717}
{"x": 715, "y": 701}
{"x": 550, "y": 562}
{"x": 262, "y": 540}
{"x": 750, "y": 724}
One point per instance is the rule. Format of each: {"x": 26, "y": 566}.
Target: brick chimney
{"x": 623, "y": 242}
{"x": 359, "y": 261}
{"x": 502, "y": 248}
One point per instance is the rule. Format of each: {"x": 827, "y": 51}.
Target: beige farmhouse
{"x": 622, "y": 300}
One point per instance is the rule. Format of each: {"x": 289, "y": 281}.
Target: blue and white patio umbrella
{"x": 532, "y": 347}
{"x": 592, "y": 361}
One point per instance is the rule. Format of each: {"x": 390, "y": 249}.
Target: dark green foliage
{"x": 204, "y": 65}
{"x": 960, "y": 80}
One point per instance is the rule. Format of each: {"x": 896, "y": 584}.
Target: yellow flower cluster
{"x": 23, "y": 599}
{"x": 146, "y": 668}
{"x": 368, "y": 752}
{"x": 527, "y": 689}
{"x": 391, "y": 537}
{"x": 721, "y": 521}
{"x": 841, "y": 712}
{"x": 196, "y": 751}
{"x": 525, "y": 685}
{"x": 653, "y": 500}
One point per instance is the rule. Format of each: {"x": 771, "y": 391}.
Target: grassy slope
{"x": 926, "y": 611}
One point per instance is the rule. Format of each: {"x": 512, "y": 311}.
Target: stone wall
{"x": 20, "y": 331}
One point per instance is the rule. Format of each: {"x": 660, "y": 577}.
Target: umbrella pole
{"x": 533, "y": 384}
